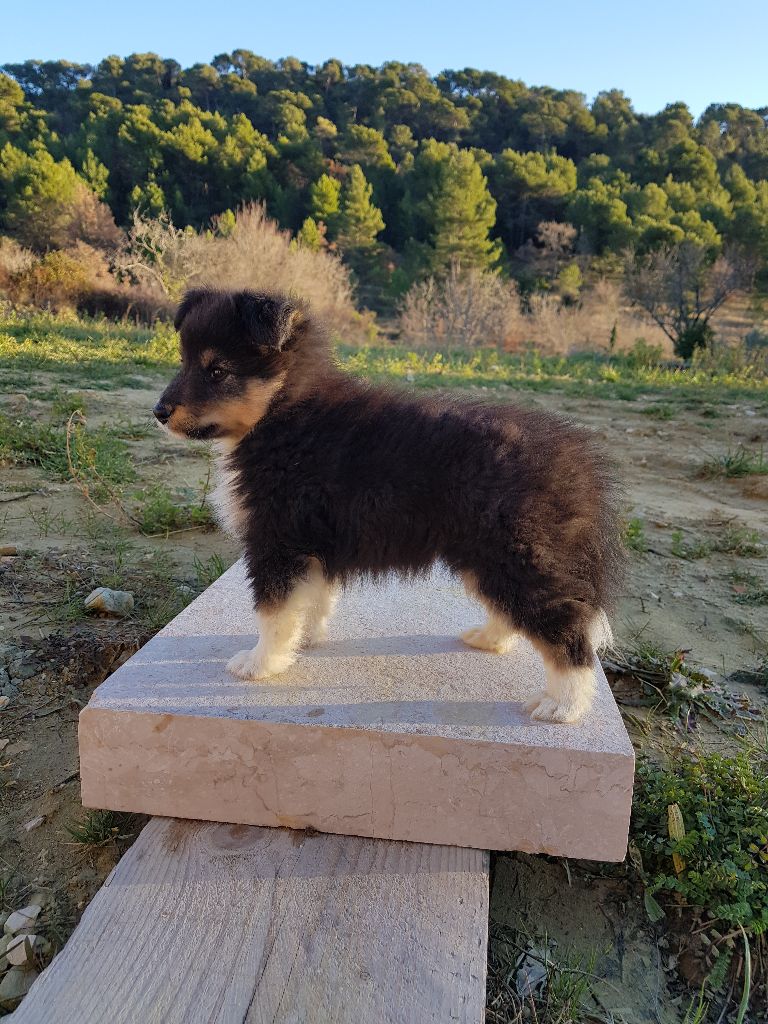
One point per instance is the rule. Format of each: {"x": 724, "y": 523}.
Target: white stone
{"x": 15, "y": 985}
{"x": 24, "y": 918}
{"x": 21, "y": 950}
{"x": 392, "y": 729}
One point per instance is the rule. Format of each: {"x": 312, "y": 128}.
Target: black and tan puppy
{"x": 324, "y": 477}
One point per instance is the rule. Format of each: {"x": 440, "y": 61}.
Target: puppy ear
{"x": 191, "y": 299}
{"x": 269, "y": 321}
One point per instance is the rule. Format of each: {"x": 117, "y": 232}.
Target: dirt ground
{"x": 57, "y": 545}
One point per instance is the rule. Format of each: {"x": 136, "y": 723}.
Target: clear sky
{"x": 657, "y": 52}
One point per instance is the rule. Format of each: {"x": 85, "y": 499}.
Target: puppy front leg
{"x": 281, "y": 628}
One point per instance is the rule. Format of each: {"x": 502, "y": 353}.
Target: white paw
{"x": 545, "y": 708}
{"x": 256, "y": 664}
{"x": 488, "y": 640}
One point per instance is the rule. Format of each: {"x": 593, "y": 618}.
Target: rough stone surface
{"x": 15, "y": 985}
{"x": 19, "y": 919}
{"x": 393, "y": 729}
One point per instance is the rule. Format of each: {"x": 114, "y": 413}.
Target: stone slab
{"x": 394, "y": 729}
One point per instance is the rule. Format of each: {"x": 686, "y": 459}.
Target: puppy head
{"x": 235, "y": 348}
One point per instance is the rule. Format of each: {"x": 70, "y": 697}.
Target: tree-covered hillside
{"x": 403, "y": 173}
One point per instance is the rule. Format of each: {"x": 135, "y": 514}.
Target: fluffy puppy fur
{"x": 323, "y": 477}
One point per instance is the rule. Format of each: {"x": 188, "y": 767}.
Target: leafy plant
{"x": 717, "y": 862}
{"x": 634, "y": 535}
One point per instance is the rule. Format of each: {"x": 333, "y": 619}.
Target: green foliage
{"x": 310, "y": 236}
{"x": 724, "y": 805}
{"x": 634, "y": 535}
{"x": 325, "y": 200}
{"x": 464, "y": 165}
{"x": 359, "y": 221}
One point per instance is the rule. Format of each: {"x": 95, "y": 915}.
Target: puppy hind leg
{"x": 281, "y": 628}
{"x": 570, "y": 685}
{"x": 321, "y": 612}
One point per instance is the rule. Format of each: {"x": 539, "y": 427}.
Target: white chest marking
{"x": 226, "y": 503}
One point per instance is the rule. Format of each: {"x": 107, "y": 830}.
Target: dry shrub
{"x": 14, "y": 260}
{"x": 247, "y": 251}
{"x": 56, "y": 280}
{"x": 91, "y": 222}
{"x": 466, "y": 308}
{"x": 601, "y": 320}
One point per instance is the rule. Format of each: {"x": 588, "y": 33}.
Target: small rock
{"x": 21, "y": 950}
{"x": 24, "y": 918}
{"x": 34, "y": 823}
{"x": 3, "y": 744}
{"x": 4, "y": 701}
{"x": 15, "y": 985}
{"x": 8, "y": 549}
{"x": 18, "y": 748}
{"x": 113, "y": 602}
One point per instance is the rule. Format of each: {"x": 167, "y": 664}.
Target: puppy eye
{"x": 216, "y": 372}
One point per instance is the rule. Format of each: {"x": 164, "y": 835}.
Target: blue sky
{"x": 657, "y": 52}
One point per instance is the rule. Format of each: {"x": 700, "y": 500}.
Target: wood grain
{"x": 238, "y": 924}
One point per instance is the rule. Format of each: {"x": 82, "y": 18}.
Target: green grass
{"x": 661, "y": 411}
{"x": 159, "y": 510}
{"x": 559, "y": 988}
{"x": 104, "y": 354}
{"x": 617, "y": 376}
{"x": 82, "y": 352}
{"x": 737, "y": 463}
{"x": 97, "y": 828}
{"x": 100, "y": 457}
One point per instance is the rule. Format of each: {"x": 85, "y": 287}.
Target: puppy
{"x": 324, "y": 477}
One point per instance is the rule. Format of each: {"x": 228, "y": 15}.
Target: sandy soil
{"x": 677, "y": 602}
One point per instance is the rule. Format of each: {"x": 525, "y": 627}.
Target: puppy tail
{"x": 600, "y": 633}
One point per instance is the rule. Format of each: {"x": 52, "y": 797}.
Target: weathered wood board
{"x": 204, "y": 923}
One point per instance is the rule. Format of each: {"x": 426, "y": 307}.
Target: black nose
{"x": 163, "y": 411}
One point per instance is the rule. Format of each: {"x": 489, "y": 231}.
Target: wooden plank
{"x": 203, "y": 922}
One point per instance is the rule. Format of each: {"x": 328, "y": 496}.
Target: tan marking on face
{"x": 236, "y": 416}
{"x": 180, "y": 420}
{"x": 208, "y": 357}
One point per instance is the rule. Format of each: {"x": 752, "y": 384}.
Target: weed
{"x": 634, "y": 535}
{"x": 731, "y": 540}
{"x": 735, "y": 463}
{"x": 716, "y": 863}
{"x": 99, "y": 456}
{"x": 667, "y": 683}
{"x": 65, "y": 403}
{"x": 159, "y": 511}
{"x": 749, "y": 588}
{"x": 209, "y": 570}
{"x": 535, "y": 982}
{"x": 660, "y": 411}
{"x": 96, "y": 828}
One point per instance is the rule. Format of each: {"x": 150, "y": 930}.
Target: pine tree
{"x": 359, "y": 220}
{"x": 309, "y": 235}
{"x": 324, "y": 200}
{"x": 462, "y": 212}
